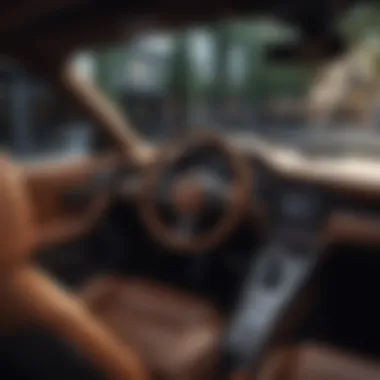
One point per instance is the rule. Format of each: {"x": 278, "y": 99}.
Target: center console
{"x": 279, "y": 272}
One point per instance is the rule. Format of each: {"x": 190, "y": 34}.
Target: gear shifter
{"x": 277, "y": 276}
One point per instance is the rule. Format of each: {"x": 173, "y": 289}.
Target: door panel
{"x": 49, "y": 182}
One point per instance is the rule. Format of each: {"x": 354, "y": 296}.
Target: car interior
{"x": 209, "y": 256}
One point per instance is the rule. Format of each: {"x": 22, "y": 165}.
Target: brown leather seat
{"x": 318, "y": 363}
{"x": 177, "y": 335}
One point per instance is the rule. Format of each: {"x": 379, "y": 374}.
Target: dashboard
{"x": 283, "y": 183}
{"x": 349, "y": 186}
{"x": 287, "y": 183}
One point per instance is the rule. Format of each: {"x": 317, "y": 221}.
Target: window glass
{"x": 213, "y": 76}
{"x": 261, "y": 75}
{"x": 38, "y": 123}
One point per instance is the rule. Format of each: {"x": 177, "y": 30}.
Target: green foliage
{"x": 261, "y": 77}
{"x": 222, "y": 40}
{"x": 110, "y": 64}
{"x": 360, "y": 26}
{"x": 360, "y": 22}
{"x": 178, "y": 71}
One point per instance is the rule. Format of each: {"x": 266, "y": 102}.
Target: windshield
{"x": 243, "y": 77}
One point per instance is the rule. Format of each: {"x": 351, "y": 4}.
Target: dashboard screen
{"x": 298, "y": 206}
{"x": 291, "y": 203}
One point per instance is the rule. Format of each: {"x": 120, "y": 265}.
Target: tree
{"x": 361, "y": 28}
{"x": 178, "y": 79}
{"x": 360, "y": 22}
{"x": 110, "y": 65}
{"x": 222, "y": 35}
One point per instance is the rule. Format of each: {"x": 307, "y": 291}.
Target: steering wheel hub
{"x": 188, "y": 196}
{"x": 194, "y": 186}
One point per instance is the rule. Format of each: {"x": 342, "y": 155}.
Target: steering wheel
{"x": 194, "y": 195}
{"x": 28, "y": 295}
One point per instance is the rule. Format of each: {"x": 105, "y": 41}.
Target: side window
{"x": 37, "y": 123}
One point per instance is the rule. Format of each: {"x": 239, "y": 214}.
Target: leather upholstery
{"x": 177, "y": 335}
{"x": 311, "y": 362}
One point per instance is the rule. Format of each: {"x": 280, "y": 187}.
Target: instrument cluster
{"x": 291, "y": 204}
